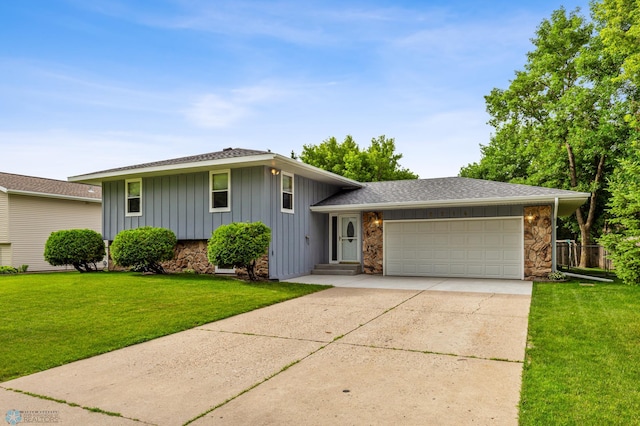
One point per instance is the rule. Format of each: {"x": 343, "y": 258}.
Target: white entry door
{"x": 348, "y": 238}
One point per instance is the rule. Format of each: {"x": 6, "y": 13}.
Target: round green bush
{"x": 81, "y": 248}
{"x": 239, "y": 245}
{"x": 144, "y": 248}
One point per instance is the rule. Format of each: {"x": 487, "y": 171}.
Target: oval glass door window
{"x": 350, "y": 231}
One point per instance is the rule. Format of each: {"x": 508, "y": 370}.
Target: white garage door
{"x": 481, "y": 248}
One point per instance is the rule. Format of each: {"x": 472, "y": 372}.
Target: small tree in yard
{"x": 143, "y": 249}
{"x": 81, "y": 248}
{"x": 239, "y": 245}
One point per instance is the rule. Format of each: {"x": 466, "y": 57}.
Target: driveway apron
{"x": 340, "y": 356}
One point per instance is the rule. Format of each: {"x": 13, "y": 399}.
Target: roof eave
{"x": 57, "y": 196}
{"x": 269, "y": 160}
{"x": 566, "y": 203}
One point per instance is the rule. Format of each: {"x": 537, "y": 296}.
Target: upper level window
{"x": 133, "y": 194}
{"x": 287, "y": 192}
{"x": 220, "y": 189}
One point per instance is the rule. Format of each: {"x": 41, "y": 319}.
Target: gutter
{"x": 57, "y": 196}
{"x": 445, "y": 203}
{"x": 268, "y": 160}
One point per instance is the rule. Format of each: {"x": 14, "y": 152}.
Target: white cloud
{"x": 213, "y": 111}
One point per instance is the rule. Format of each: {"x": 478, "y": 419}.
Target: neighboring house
{"x": 449, "y": 227}
{"x": 31, "y": 208}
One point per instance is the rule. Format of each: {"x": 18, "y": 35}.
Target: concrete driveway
{"x": 341, "y": 356}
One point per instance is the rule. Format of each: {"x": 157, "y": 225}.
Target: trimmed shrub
{"x": 144, "y": 248}
{"x": 81, "y": 248}
{"x": 8, "y": 270}
{"x": 239, "y": 245}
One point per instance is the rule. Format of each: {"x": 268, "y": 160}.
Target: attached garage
{"x": 469, "y": 248}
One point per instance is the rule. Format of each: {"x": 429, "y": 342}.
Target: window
{"x": 133, "y": 194}
{"x": 287, "y": 192}
{"x": 220, "y": 188}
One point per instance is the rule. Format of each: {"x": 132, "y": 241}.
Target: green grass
{"x": 583, "y": 358}
{"x": 48, "y": 320}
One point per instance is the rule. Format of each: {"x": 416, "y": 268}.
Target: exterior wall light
{"x": 275, "y": 172}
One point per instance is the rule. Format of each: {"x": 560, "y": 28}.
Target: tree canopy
{"x": 561, "y": 122}
{"x": 619, "y": 23}
{"x": 378, "y": 162}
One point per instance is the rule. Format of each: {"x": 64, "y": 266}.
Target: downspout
{"x": 553, "y": 236}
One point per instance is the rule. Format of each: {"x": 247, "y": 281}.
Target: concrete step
{"x": 334, "y": 272}
{"x": 336, "y": 269}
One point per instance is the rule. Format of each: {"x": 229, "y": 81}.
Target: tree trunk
{"x": 585, "y": 225}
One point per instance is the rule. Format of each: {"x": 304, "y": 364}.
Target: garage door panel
{"x": 489, "y": 248}
{"x": 439, "y": 240}
{"x": 494, "y": 255}
{"x": 511, "y": 256}
{"x": 475, "y": 226}
{"x": 458, "y": 240}
{"x": 426, "y": 254}
{"x": 512, "y": 226}
{"x": 475, "y": 255}
{"x": 512, "y": 241}
{"x": 425, "y": 227}
{"x": 493, "y": 240}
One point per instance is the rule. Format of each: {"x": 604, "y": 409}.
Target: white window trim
{"x": 219, "y": 209}
{"x": 293, "y": 192}
{"x": 126, "y": 198}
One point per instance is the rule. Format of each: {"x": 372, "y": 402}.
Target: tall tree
{"x": 560, "y": 121}
{"x": 619, "y": 25}
{"x": 378, "y": 162}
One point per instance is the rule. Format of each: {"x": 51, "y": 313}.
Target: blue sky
{"x": 91, "y": 85}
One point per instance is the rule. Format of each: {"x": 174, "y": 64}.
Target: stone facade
{"x": 372, "y": 242}
{"x": 190, "y": 255}
{"x": 538, "y": 231}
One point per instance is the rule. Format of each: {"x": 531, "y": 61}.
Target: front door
{"x": 345, "y": 238}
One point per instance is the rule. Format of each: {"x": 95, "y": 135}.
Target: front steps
{"x": 336, "y": 269}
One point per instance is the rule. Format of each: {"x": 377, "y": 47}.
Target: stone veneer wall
{"x": 537, "y": 242}
{"x": 372, "y": 242}
{"x": 192, "y": 255}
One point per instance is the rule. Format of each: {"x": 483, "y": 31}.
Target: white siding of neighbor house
{"x": 33, "y": 219}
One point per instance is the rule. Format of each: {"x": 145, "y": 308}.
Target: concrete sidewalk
{"x": 340, "y": 356}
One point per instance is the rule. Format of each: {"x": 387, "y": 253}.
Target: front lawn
{"x": 51, "y": 319}
{"x": 583, "y": 358}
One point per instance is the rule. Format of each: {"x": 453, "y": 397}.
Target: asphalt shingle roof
{"x": 218, "y": 155}
{"x": 440, "y": 189}
{"x": 48, "y": 186}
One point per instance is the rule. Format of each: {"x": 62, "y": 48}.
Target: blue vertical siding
{"x": 300, "y": 239}
{"x": 181, "y": 203}
{"x": 455, "y": 212}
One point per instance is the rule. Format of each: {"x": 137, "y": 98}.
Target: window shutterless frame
{"x": 220, "y": 191}
{"x": 133, "y": 197}
{"x": 287, "y": 192}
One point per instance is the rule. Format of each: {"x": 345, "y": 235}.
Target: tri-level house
{"x": 448, "y": 227}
